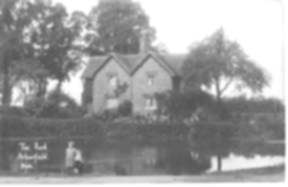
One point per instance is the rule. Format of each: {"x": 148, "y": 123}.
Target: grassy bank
{"x": 267, "y": 174}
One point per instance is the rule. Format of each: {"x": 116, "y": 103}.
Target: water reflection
{"x": 180, "y": 160}
{"x": 109, "y": 159}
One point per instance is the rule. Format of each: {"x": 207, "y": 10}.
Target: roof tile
{"x": 131, "y": 62}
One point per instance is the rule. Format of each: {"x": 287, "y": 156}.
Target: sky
{"x": 256, "y": 25}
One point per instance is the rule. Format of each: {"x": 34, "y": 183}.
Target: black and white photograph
{"x": 142, "y": 91}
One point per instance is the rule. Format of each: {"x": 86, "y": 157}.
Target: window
{"x": 113, "y": 81}
{"x": 151, "y": 104}
{"x": 112, "y": 103}
{"x": 150, "y": 81}
{"x": 150, "y": 77}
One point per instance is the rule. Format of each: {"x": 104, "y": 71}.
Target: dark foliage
{"x": 32, "y": 127}
{"x": 261, "y": 105}
{"x": 38, "y": 42}
{"x": 145, "y": 133}
{"x": 178, "y": 105}
{"x": 117, "y": 26}
{"x": 259, "y": 130}
{"x": 56, "y": 105}
{"x": 125, "y": 108}
{"x": 13, "y": 111}
{"x": 90, "y": 127}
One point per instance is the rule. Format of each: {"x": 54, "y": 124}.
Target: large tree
{"x": 118, "y": 26}
{"x": 52, "y": 41}
{"x": 39, "y": 41}
{"x": 14, "y": 18}
{"x": 218, "y": 64}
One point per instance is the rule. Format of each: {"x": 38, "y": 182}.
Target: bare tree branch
{"x": 228, "y": 83}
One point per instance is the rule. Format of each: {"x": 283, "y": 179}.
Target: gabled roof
{"x": 131, "y": 63}
{"x": 93, "y": 66}
{"x": 174, "y": 61}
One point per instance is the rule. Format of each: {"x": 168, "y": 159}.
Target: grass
{"x": 266, "y": 174}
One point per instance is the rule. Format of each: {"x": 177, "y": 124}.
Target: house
{"x": 110, "y": 80}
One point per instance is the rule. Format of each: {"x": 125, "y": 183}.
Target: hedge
{"x": 145, "y": 133}
{"x": 213, "y": 132}
{"x": 17, "y": 127}
{"x": 59, "y": 128}
{"x": 262, "y": 130}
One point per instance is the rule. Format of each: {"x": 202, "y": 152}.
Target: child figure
{"x": 78, "y": 162}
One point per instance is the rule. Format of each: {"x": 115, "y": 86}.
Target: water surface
{"x": 118, "y": 159}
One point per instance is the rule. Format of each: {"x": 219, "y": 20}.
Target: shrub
{"x": 89, "y": 127}
{"x": 144, "y": 133}
{"x": 13, "y": 111}
{"x": 56, "y": 105}
{"x": 260, "y": 131}
{"x": 125, "y": 108}
{"x": 242, "y": 107}
{"x": 178, "y": 106}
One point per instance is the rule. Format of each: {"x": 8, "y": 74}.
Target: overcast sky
{"x": 256, "y": 24}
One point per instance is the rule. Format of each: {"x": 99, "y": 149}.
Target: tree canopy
{"x": 14, "y": 18}
{"x": 56, "y": 105}
{"x": 118, "y": 26}
{"x": 219, "y": 63}
{"x": 39, "y": 41}
{"x": 52, "y": 41}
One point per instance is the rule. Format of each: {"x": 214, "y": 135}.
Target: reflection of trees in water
{"x": 212, "y": 140}
{"x": 179, "y": 160}
{"x": 211, "y": 143}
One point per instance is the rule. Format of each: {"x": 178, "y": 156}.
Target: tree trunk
{"x": 219, "y": 163}
{"x": 42, "y": 84}
{"x": 6, "y": 95}
{"x": 59, "y": 86}
{"x": 219, "y": 100}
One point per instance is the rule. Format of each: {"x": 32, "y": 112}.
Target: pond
{"x": 18, "y": 158}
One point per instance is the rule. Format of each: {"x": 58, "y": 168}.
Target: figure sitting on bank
{"x": 73, "y": 159}
{"x": 78, "y": 162}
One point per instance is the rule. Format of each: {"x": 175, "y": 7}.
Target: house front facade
{"x": 110, "y": 80}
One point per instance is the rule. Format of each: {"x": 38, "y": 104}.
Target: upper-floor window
{"x": 150, "y": 77}
{"x": 150, "y": 81}
{"x": 113, "y": 81}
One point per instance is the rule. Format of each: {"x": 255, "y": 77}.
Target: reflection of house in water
{"x": 155, "y": 160}
{"x": 132, "y": 161}
{"x": 144, "y": 160}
